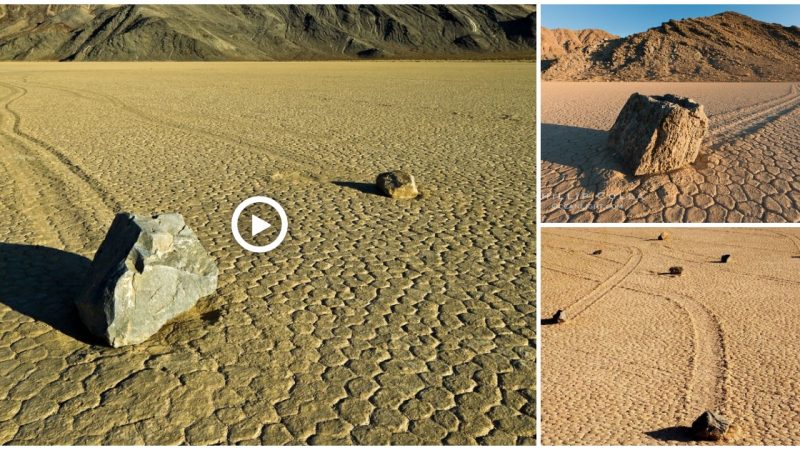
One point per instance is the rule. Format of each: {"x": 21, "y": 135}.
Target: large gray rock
{"x": 148, "y": 270}
{"x": 658, "y": 134}
{"x": 398, "y": 184}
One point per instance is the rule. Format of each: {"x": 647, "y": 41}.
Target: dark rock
{"x": 725, "y": 258}
{"x": 397, "y": 184}
{"x": 711, "y": 427}
{"x": 560, "y": 316}
{"x": 675, "y": 270}
{"x": 658, "y": 134}
{"x": 597, "y": 252}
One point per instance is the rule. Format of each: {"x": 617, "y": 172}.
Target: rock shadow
{"x": 582, "y": 148}
{"x": 672, "y": 434}
{"x": 42, "y": 283}
{"x": 367, "y": 188}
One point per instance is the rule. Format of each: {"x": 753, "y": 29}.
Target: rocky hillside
{"x": 265, "y": 32}
{"x": 557, "y": 42}
{"x": 723, "y": 47}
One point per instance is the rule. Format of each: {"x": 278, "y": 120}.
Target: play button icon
{"x": 259, "y": 225}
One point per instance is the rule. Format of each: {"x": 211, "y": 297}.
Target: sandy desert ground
{"x": 645, "y": 353}
{"x": 748, "y": 171}
{"x": 376, "y": 321}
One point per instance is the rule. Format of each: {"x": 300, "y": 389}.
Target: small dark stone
{"x": 675, "y": 270}
{"x": 597, "y": 252}
{"x": 725, "y": 258}
{"x": 397, "y": 184}
{"x": 560, "y": 316}
{"x": 710, "y": 426}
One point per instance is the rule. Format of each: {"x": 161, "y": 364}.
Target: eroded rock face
{"x": 658, "y": 134}
{"x": 148, "y": 270}
{"x": 398, "y": 184}
{"x": 711, "y": 427}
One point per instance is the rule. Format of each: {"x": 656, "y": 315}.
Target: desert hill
{"x": 724, "y": 47}
{"x": 264, "y": 32}
{"x": 558, "y": 42}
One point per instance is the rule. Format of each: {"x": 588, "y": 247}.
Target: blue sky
{"x": 628, "y": 19}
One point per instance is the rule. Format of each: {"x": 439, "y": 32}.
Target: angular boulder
{"x": 397, "y": 184}
{"x": 148, "y": 270}
{"x": 658, "y": 134}
{"x": 711, "y": 427}
{"x": 560, "y": 316}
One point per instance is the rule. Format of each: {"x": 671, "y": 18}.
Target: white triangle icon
{"x": 258, "y": 225}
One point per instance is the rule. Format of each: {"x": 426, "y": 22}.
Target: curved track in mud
{"x": 712, "y": 339}
{"x": 706, "y": 385}
{"x": 53, "y": 189}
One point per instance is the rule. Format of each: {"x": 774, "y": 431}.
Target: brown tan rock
{"x": 711, "y": 427}
{"x": 398, "y": 184}
{"x": 658, "y": 134}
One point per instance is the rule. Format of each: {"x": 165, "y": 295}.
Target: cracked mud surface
{"x": 375, "y": 322}
{"x": 747, "y": 172}
{"x": 644, "y": 353}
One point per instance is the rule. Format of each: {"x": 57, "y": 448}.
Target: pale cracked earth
{"x": 748, "y": 170}
{"x": 644, "y": 353}
{"x": 376, "y": 322}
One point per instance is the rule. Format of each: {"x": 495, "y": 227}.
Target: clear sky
{"x": 628, "y": 19}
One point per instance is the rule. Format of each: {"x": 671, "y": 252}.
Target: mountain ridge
{"x": 265, "y": 32}
{"x": 724, "y": 47}
{"x": 557, "y": 42}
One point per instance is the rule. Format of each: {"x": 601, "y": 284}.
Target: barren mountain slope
{"x": 724, "y": 47}
{"x": 557, "y": 42}
{"x": 264, "y": 32}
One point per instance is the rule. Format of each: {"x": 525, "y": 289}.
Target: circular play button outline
{"x": 259, "y": 248}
